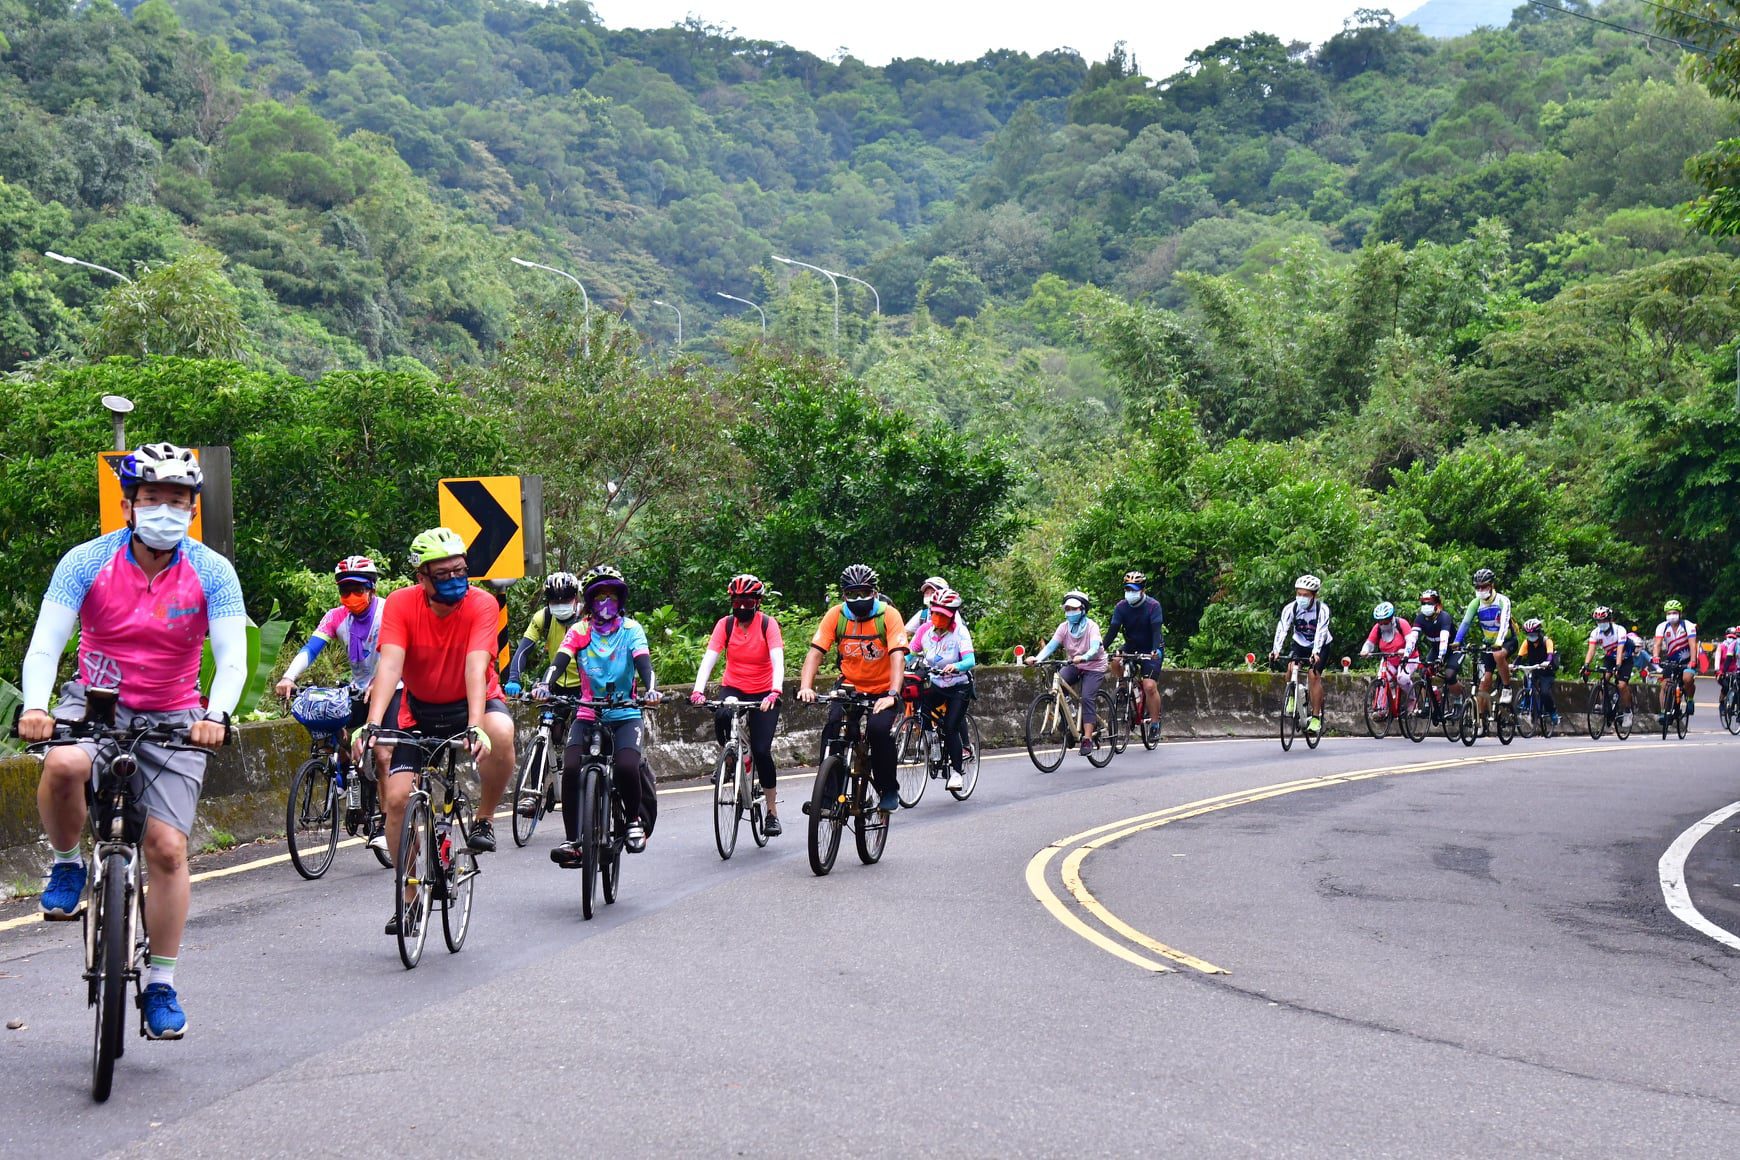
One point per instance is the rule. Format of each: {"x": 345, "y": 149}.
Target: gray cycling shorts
{"x": 172, "y": 779}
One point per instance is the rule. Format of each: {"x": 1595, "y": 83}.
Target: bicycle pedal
{"x": 806, "y": 809}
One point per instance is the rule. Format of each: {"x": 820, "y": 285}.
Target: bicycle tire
{"x": 1150, "y": 738}
{"x": 914, "y": 775}
{"x": 727, "y": 807}
{"x": 908, "y": 741}
{"x": 969, "y": 761}
{"x": 1681, "y": 724}
{"x": 417, "y": 867}
{"x": 112, "y": 962}
{"x": 1123, "y": 705}
{"x": 534, "y": 771}
{"x": 1504, "y": 722}
{"x": 1374, "y": 715}
{"x": 869, "y": 824}
{"x": 311, "y": 829}
{"x": 371, "y": 802}
{"x": 1726, "y": 709}
{"x": 1045, "y": 734}
{"x": 1289, "y": 717}
{"x": 824, "y": 811}
{"x": 592, "y": 819}
{"x": 1621, "y": 727}
{"x": 461, "y": 876}
{"x": 1467, "y": 724}
{"x": 1101, "y": 755}
{"x": 1413, "y": 725}
{"x": 758, "y": 818}
{"x": 1528, "y": 718}
{"x": 610, "y": 857}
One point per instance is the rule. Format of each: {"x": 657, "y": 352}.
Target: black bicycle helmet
{"x": 561, "y": 586}
{"x": 858, "y": 576}
{"x": 1484, "y": 577}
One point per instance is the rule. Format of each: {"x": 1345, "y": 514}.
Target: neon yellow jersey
{"x": 547, "y": 631}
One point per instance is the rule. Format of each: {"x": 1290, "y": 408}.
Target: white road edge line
{"x": 1673, "y": 878}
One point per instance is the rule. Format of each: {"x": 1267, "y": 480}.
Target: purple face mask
{"x": 605, "y": 608}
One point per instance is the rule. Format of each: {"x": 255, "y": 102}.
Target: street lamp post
{"x": 679, "y": 313}
{"x": 868, "y": 287}
{"x": 50, "y": 254}
{"x": 749, "y": 304}
{"x": 833, "y": 279}
{"x": 586, "y": 324}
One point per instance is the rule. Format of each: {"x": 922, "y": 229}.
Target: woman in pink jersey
{"x": 754, "y": 654}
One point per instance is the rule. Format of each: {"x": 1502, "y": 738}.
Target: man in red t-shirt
{"x": 755, "y": 672}
{"x": 439, "y": 637}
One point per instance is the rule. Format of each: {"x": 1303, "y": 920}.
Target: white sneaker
{"x": 1504, "y": 697}
{"x": 954, "y": 781}
{"x": 1627, "y": 720}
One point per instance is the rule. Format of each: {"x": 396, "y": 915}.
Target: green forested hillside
{"x": 1380, "y": 308}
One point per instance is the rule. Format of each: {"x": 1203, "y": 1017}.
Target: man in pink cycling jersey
{"x": 145, "y": 598}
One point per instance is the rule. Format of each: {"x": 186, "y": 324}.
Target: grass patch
{"x": 218, "y": 840}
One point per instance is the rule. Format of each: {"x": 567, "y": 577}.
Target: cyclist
{"x": 754, "y": 651}
{"x": 927, "y": 594}
{"x": 1676, "y": 643}
{"x": 1619, "y": 651}
{"x": 1393, "y": 637}
{"x": 439, "y": 637}
{"x": 871, "y": 638}
{"x": 1434, "y": 630}
{"x": 1538, "y": 652}
{"x": 1079, "y": 638}
{"x": 612, "y": 653}
{"x": 1139, "y": 617}
{"x": 1490, "y": 609}
{"x": 1306, "y": 618}
{"x": 355, "y": 624}
{"x": 1727, "y": 659}
{"x": 947, "y": 648}
{"x": 545, "y": 630}
{"x": 144, "y": 598}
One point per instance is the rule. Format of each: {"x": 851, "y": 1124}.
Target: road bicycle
{"x": 1387, "y": 707}
{"x": 736, "y": 790}
{"x": 1500, "y": 715}
{"x": 1532, "y": 718}
{"x": 1295, "y": 712}
{"x": 603, "y": 821}
{"x": 116, "y": 942}
{"x": 1603, "y": 705}
{"x": 540, "y": 771}
{"x": 1729, "y": 701}
{"x": 328, "y": 789}
{"x": 844, "y": 791}
{"x": 1130, "y": 704}
{"x": 922, "y": 755}
{"x": 1445, "y": 702}
{"x": 435, "y": 866}
{"x": 1055, "y": 722}
{"x": 1673, "y": 699}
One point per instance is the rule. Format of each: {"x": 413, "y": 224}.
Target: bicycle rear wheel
{"x": 416, "y": 872}
{"x": 969, "y": 760}
{"x": 1103, "y": 752}
{"x": 869, "y": 824}
{"x": 594, "y": 834}
{"x": 461, "y": 874}
{"x": 112, "y": 963}
{"x": 825, "y": 810}
{"x": 914, "y": 768}
{"x": 371, "y": 803}
{"x": 1681, "y": 721}
{"x": 1377, "y": 716}
{"x": 1047, "y": 738}
{"x": 311, "y": 817}
{"x": 1150, "y": 737}
{"x": 1621, "y": 727}
{"x": 529, "y": 796}
{"x": 727, "y": 811}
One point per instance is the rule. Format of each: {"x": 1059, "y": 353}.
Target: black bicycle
{"x": 603, "y": 822}
{"x": 1603, "y": 705}
{"x": 844, "y": 792}
{"x": 540, "y": 770}
{"x": 1673, "y": 699}
{"x": 116, "y": 942}
{"x": 435, "y": 866}
{"x": 328, "y": 792}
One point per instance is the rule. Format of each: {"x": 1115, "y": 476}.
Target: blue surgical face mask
{"x": 1133, "y": 595}
{"x": 1304, "y": 602}
{"x": 451, "y": 590}
{"x": 1075, "y": 618}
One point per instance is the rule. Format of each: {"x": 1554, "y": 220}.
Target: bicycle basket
{"x": 322, "y": 710}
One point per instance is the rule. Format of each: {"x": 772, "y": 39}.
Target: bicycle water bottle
{"x": 353, "y": 790}
{"x": 444, "y": 840}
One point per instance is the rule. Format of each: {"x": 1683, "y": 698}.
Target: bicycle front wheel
{"x": 727, "y": 811}
{"x": 1377, "y": 708}
{"x": 311, "y": 817}
{"x": 1504, "y": 718}
{"x": 914, "y": 767}
{"x": 1528, "y": 716}
{"x": 414, "y": 879}
{"x": 969, "y": 760}
{"x": 825, "y": 810}
{"x": 1118, "y": 727}
{"x": 1047, "y": 738}
{"x": 1468, "y": 722}
{"x": 1596, "y": 717}
{"x": 112, "y": 962}
{"x": 869, "y": 824}
{"x": 529, "y": 797}
{"x": 594, "y": 833}
{"x": 1101, "y": 755}
{"x": 1289, "y": 717}
{"x": 461, "y": 875}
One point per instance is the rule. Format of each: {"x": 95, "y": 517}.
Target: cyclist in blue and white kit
{"x": 1676, "y": 643}
{"x": 1490, "y": 608}
{"x": 1306, "y": 619}
{"x": 144, "y": 598}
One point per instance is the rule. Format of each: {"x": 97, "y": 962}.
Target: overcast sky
{"x": 1160, "y": 32}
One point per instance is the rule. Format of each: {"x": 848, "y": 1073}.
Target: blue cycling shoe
{"x": 164, "y": 1018}
{"x": 890, "y": 802}
{"x": 63, "y": 897}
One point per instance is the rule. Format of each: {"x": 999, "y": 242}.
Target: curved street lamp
{"x": 679, "y": 313}
{"x": 749, "y": 304}
{"x": 50, "y": 254}
{"x": 833, "y": 279}
{"x": 586, "y": 324}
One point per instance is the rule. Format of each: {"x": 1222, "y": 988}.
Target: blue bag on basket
{"x": 322, "y": 710}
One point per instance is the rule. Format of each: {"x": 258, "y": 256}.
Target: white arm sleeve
{"x": 777, "y": 656}
{"x": 1319, "y": 641}
{"x": 710, "y": 659}
{"x": 1281, "y": 627}
{"x": 229, "y": 654}
{"x": 54, "y": 627}
{"x": 297, "y": 666}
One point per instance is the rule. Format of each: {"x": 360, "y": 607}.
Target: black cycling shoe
{"x": 482, "y": 838}
{"x": 771, "y": 827}
{"x": 567, "y": 855}
{"x": 415, "y": 910}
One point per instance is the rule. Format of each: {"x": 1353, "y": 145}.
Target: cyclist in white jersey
{"x": 1676, "y": 643}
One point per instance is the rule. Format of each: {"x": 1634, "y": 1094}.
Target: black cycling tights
{"x": 629, "y": 770}
{"x": 762, "y": 727}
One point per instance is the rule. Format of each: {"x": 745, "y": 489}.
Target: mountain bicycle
{"x": 1673, "y": 699}
{"x": 1603, "y": 704}
{"x": 1130, "y": 704}
{"x": 844, "y": 791}
{"x": 328, "y": 789}
{"x": 1295, "y": 712}
{"x": 116, "y": 943}
{"x": 1055, "y": 722}
{"x": 736, "y": 790}
{"x": 432, "y": 868}
{"x": 922, "y": 755}
{"x": 540, "y": 771}
{"x": 603, "y": 821}
{"x": 1532, "y": 718}
{"x": 1387, "y": 707}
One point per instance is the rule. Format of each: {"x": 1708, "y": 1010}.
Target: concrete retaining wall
{"x": 246, "y": 784}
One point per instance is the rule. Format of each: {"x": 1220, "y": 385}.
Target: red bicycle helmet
{"x": 745, "y": 585}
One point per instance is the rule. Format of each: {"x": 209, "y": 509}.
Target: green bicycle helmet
{"x": 435, "y": 544}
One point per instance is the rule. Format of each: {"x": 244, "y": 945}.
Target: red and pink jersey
{"x": 1398, "y": 643}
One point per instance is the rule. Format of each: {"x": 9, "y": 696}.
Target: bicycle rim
{"x": 1123, "y": 707}
{"x": 416, "y": 869}
{"x": 727, "y": 811}
{"x": 1044, "y": 733}
{"x": 1103, "y": 752}
{"x": 825, "y": 807}
{"x": 311, "y": 818}
{"x": 592, "y": 820}
{"x": 914, "y": 774}
{"x": 456, "y": 911}
{"x": 112, "y": 962}
{"x": 969, "y": 762}
{"x": 869, "y": 827}
{"x": 528, "y": 796}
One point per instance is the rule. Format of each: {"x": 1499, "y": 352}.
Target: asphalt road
{"x": 1468, "y": 959}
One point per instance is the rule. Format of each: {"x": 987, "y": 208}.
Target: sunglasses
{"x": 859, "y": 593}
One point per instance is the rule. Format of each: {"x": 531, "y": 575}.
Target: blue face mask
{"x": 450, "y": 590}
{"x": 1075, "y": 618}
{"x": 1133, "y": 595}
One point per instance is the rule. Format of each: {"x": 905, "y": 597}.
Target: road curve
{"x": 1463, "y": 959}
